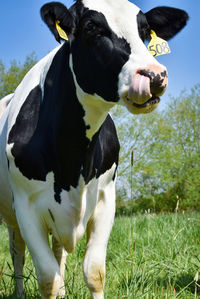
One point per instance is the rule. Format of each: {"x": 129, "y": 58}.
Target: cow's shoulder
{"x": 32, "y": 81}
{"x": 26, "y": 109}
{"x": 103, "y": 151}
{"x": 109, "y": 144}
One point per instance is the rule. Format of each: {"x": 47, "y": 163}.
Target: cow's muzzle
{"x": 147, "y": 86}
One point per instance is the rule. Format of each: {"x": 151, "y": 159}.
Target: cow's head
{"x": 108, "y": 56}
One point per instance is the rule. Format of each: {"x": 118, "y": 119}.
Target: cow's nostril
{"x": 158, "y": 80}
{"x": 158, "y": 85}
{"x": 145, "y": 73}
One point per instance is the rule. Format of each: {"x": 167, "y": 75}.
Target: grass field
{"x": 148, "y": 257}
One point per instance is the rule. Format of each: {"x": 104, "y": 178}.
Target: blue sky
{"x": 22, "y": 32}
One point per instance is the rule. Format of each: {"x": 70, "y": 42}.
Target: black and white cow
{"x": 58, "y": 144}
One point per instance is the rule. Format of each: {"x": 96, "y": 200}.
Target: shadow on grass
{"x": 182, "y": 283}
{"x": 187, "y": 282}
{"x": 13, "y": 296}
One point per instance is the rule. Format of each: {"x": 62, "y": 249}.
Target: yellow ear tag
{"x": 157, "y": 45}
{"x": 61, "y": 32}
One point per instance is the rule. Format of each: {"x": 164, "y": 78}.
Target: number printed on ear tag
{"x": 157, "y": 45}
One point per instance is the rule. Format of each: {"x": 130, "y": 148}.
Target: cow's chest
{"x": 66, "y": 220}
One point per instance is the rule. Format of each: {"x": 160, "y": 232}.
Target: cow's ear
{"x": 55, "y": 12}
{"x": 166, "y": 21}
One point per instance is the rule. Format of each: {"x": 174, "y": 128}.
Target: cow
{"x": 58, "y": 144}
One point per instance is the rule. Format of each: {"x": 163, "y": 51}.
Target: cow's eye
{"x": 90, "y": 26}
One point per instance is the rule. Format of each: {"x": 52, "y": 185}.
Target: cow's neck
{"x": 85, "y": 111}
{"x": 95, "y": 108}
{"x": 96, "y": 111}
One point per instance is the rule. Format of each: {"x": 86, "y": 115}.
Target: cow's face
{"x": 108, "y": 56}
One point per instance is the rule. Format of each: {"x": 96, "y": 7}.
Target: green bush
{"x": 168, "y": 202}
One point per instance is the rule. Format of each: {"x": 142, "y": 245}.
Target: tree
{"x": 160, "y": 154}
{"x": 10, "y": 79}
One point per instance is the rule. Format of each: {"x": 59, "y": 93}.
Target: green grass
{"x": 148, "y": 257}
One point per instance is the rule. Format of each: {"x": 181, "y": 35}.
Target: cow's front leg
{"x": 60, "y": 255}
{"x": 34, "y": 232}
{"x": 98, "y": 232}
{"x": 17, "y": 251}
